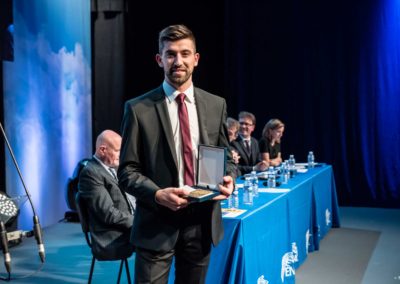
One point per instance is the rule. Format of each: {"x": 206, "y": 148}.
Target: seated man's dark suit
{"x": 110, "y": 217}
{"x": 247, "y": 160}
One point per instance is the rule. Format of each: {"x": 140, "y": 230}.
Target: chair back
{"x": 84, "y": 219}
{"x": 83, "y": 216}
{"x": 72, "y": 184}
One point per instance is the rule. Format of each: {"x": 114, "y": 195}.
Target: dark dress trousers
{"x": 247, "y": 160}
{"x": 148, "y": 162}
{"x": 110, "y": 218}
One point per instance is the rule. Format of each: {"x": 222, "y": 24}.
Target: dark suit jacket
{"x": 110, "y": 218}
{"x": 246, "y": 162}
{"x": 148, "y": 162}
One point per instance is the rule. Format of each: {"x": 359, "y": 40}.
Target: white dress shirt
{"x": 171, "y": 94}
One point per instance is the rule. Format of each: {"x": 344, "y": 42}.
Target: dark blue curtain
{"x": 331, "y": 72}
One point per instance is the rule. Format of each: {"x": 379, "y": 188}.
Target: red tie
{"x": 186, "y": 140}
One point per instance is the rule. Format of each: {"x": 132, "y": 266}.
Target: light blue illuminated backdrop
{"x": 47, "y": 102}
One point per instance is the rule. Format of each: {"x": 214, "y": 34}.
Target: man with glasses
{"x": 247, "y": 146}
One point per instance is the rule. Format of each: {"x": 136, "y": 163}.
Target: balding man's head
{"x": 108, "y": 146}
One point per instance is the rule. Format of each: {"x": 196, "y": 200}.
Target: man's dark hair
{"x": 249, "y": 115}
{"x": 174, "y": 33}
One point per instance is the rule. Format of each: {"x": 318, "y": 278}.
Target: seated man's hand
{"x": 261, "y": 166}
{"x": 172, "y": 197}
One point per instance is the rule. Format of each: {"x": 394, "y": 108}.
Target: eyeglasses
{"x": 246, "y": 123}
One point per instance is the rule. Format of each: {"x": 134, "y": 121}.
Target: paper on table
{"x": 301, "y": 167}
{"x": 232, "y": 212}
{"x": 273, "y": 189}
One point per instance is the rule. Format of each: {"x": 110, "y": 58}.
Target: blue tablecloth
{"x": 275, "y": 235}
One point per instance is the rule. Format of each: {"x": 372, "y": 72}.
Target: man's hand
{"x": 261, "y": 166}
{"x": 235, "y": 156}
{"x": 172, "y": 197}
{"x": 225, "y": 189}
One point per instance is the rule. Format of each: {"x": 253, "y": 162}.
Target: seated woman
{"x": 270, "y": 142}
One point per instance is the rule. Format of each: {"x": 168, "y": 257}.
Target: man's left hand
{"x": 226, "y": 189}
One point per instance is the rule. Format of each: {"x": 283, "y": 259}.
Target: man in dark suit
{"x": 110, "y": 212}
{"x": 154, "y": 167}
{"x": 247, "y": 146}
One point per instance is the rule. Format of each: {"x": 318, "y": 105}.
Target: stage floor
{"x": 68, "y": 257}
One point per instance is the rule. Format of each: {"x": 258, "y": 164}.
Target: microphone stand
{"x": 4, "y": 246}
{"x": 36, "y": 225}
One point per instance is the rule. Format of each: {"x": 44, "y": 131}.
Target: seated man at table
{"x": 109, "y": 208}
{"x": 247, "y": 146}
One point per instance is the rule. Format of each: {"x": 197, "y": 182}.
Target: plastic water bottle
{"x": 254, "y": 180}
{"x": 235, "y": 197}
{"x": 285, "y": 175}
{"x": 248, "y": 190}
{"x": 310, "y": 159}
{"x": 271, "y": 177}
{"x": 292, "y": 165}
{"x": 230, "y": 201}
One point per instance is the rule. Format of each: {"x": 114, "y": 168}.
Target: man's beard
{"x": 178, "y": 80}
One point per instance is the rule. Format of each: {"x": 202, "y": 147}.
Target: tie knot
{"x": 180, "y": 98}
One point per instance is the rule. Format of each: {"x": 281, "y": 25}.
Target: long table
{"x": 273, "y": 237}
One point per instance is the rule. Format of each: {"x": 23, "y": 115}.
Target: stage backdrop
{"x": 331, "y": 72}
{"x": 47, "y": 102}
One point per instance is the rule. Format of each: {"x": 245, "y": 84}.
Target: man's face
{"x": 110, "y": 153}
{"x": 178, "y": 60}
{"x": 246, "y": 127}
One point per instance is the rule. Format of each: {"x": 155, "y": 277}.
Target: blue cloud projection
{"x": 47, "y": 108}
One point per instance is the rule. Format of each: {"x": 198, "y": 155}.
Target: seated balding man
{"x": 109, "y": 209}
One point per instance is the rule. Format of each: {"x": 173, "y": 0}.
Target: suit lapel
{"x": 249, "y": 152}
{"x": 202, "y": 115}
{"x": 253, "y": 149}
{"x": 104, "y": 172}
{"x": 165, "y": 122}
{"x": 242, "y": 150}
{"x": 161, "y": 107}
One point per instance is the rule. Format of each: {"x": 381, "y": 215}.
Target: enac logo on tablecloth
{"x": 288, "y": 260}
{"x": 308, "y": 236}
{"x": 327, "y": 217}
{"x": 261, "y": 280}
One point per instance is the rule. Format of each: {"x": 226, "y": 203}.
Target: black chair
{"x": 84, "y": 219}
{"x": 71, "y": 190}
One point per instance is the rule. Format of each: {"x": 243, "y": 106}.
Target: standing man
{"x": 110, "y": 212}
{"x": 161, "y": 132}
{"x": 247, "y": 146}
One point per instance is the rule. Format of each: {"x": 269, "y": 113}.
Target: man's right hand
{"x": 172, "y": 197}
